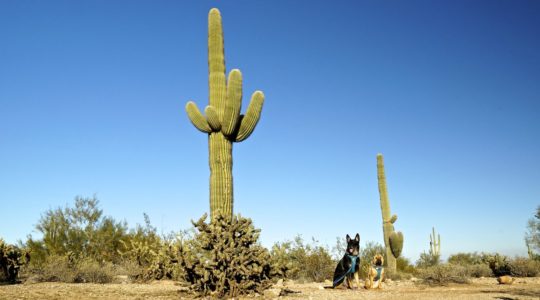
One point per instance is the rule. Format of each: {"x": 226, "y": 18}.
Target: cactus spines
{"x": 222, "y": 120}
{"x": 434, "y": 244}
{"x": 393, "y": 240}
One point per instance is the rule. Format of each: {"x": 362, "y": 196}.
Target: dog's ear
{"x": 357, "y": 238}
{"x": 348, "y": 238}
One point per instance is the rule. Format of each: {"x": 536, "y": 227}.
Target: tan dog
{"x": 375, "y": 274}
{"x": 505, "y": 279}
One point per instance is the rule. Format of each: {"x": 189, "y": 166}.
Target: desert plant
{"x": 435, "y": 244}
{"x": 478, "y": 270}
{"x": 524, "y": 267}
{"x": 302, "y": 261}
{"x": 499, "y": 264}
{"x": 444, "y": 274}
{"x": 404, "y": 265}
{"x": 81, "y": 231}
{"x": 427, "y": 260}
{"x": 223, "y": 122}
{"x": 70, "y": 269}
{"x": 11, "y": 260}
{"x": 465, "y": 259}
{"x": 225, "y": 260}
{"x": 532, "y": 236}
{"x": 393, "y": 240}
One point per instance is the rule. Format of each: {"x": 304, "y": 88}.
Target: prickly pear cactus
{"x": 225, "y": 260}
{"x": 393, "y": 240}
{"x": 223, "y": 122}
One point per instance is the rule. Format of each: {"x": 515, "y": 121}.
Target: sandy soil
{"x": 484, "y": 288}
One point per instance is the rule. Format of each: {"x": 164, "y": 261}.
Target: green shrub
{"x": 88, "y": 270}
{"x": 478, "y": 270}
{"x": 465, "y": 259}
{"x": 444, "y": 274}
{"x": 427, "y": 260}
{"x": 403, "y": 265}
{"x": 302, "y": 261}
{"x": 224, "y": 259}
{"x": 68, "y": 269}
{"x": 524, "y": 267}
{"x": 80, "y": 231}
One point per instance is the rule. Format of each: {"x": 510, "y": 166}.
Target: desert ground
{"x": 482, "y": 288}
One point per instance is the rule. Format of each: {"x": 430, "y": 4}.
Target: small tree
{"x": 78, "y": 231}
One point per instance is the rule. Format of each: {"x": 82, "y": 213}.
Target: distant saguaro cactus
{"x": 223, "y": 122}
{"x": 392, "y": 240}
{"x": 435, "y": 244}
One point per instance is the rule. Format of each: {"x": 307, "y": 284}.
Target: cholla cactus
{"x": 224, "y": 259}
{"x": 392, "y": 240}
{"x": 11, "y": 260}
{"x": 223, "y": 122}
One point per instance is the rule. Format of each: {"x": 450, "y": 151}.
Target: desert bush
{"x": 68, "y": 269}
{"x": 302, "y": 261}
{"x": 404, "y": 265}
{"x": 524, "y": 267}
{"x": 55, "y": 268}
{"x": 224, "y": 259}
{"x": 478, "y": 270}
{"x": 284, "y": 261}
{"x": 444, "y": 274}
{"x": 427, "y": 260}
{"x": 88, "y": 270}
{"x": 465, "y": 259}
{"x": 81, "y": 231}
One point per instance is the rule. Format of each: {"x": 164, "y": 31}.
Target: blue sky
{"x": 92, "y": 97}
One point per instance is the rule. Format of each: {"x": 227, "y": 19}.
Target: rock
{"x": 279, "y": 283}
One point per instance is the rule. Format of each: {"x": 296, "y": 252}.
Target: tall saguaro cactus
{"x": 434, "y": 244}
{"x": 222, "y": 120}
{"x": 393, "y": 240}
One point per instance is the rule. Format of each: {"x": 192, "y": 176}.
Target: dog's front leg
{"x": 357, "y": 279}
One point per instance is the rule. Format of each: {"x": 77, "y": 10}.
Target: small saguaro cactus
{"x": 393, "y": 240}
{"x": 223, "y": 122}
{"x": 434, "y": 244}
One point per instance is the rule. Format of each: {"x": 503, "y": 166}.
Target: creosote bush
{"x": 444, "y": 274}
{"x": 302, "y": 261}
{"x": 224, "y": 258}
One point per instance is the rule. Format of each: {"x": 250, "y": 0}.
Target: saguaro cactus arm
{"x": 213, "y": 118}
{"x": 195, "y": 116}
{"x": 234, "y": 102}
{"x": 252, "y": 116}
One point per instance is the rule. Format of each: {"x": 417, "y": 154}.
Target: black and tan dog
{"x": 349, "y": 266}
{"x": 375, "y": 273}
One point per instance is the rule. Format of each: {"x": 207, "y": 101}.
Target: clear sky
{"x": 92, "y": 97}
